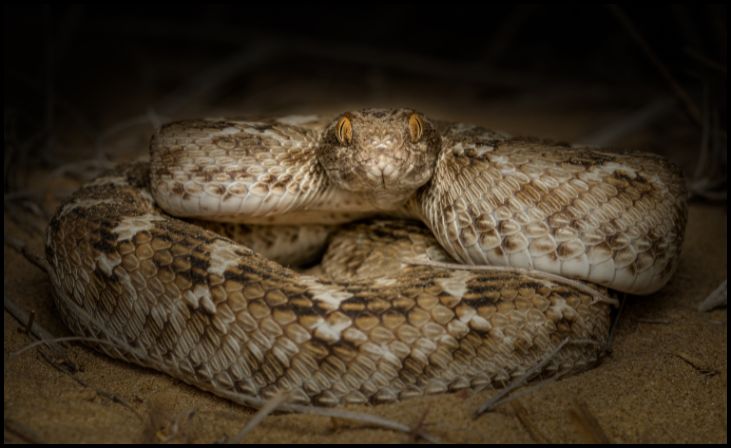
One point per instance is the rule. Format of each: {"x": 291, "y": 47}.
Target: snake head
{"x": 386, "y": 151}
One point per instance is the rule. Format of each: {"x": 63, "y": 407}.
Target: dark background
{"x": 85, "y": 87}
{"x": 81, "y": 81}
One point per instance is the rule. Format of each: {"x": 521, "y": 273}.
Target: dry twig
{"x": 62, "y": 339}
{"x": 647, "y": 320}
{"x": 500, "y": 397}
{"x": 715, "y": 299}
{"x": 613, "y": 329}
{"x": 58, "y": 358}
{"x": 524, "y": 418}
{"x": 630, "y": 123}
{"x": 31, "y": 326}
{"x": 342, "y": 414}
{"x": 270, "y": 406}
{"x": 20, "y": 246}
{"x": 520, "y": 381}
{"x": 587, "y": 423}
{"x": 679, "y": 91}
{"x": 20, "y": 431}
{"x": 697, "y": 365}
{"x": 170, "y": 429}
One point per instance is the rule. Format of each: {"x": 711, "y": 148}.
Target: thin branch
{"x": 705, "y": 60}
{"x": 524, "y": 418}
{"x": 697, "y": 365}
{"x": 716, "y": 298}
{"x": 84, "y": 169}
{"x": 270, "y": 406}
{"x": 613, "y": 329}
{"x": 523, "y": 379}
{"x": 520, "y": 381}
{"x": 30, "y": 218}
{"x": 202, "y": 86}
{"x": 679, "y": 91}
{"x": 20, "y": 246}
{"x": 103, "y": 393}
{"x": 149, "y": 118}
{"x": 699, "y": 183}
{"x": 21, "y": 431}
{"x": 23, "y": 317}
{"x": 374, "y": 420}
{"x": 532, "y": 387}
{"x": 29, "y": 324}
{"x": 62, "y": 339}
{"x": 49, "y": 81}
{"x": 165, "y": 429}
{"x": 647, "y": 320}
{"x": 59, "y": 359}
{"x": 629, "y": 123}
{"x": 588, "y": 423}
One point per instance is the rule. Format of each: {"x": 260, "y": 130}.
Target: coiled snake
{"x": 392, "y": 315}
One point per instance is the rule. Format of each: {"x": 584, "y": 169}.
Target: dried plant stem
{"x": 696, "y": 364}
{"x": 369, "y": 419}
{"x": 20, "y": 431}
{"x": 20, "y": 246}
{"x": 499, "y": 398}
{"x": 679, "y": 91}
{"x": 524, "y": 418}
{"x": 23, "y": 317}
{"x": 716, "y": 298}
{"x": 270, "y": 406}
{"x": 630, "y": 123}
{"x": 49, "y": 341}
{"x": 588, "y": 423}
{"x": 59, "y": 358}
{"x": 520, "y": 381}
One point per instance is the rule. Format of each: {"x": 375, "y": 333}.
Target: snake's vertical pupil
{"x": 416, "y": 127}
{"x": 344, "y": 131}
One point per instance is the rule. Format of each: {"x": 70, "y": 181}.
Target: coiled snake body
{"x": 392, "y": 315}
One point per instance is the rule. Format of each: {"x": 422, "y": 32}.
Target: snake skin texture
{"x": 397, "y": 310}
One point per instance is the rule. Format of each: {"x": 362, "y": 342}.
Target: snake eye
{"x": 344, "y": 131}
{"x": 416, "y": 127}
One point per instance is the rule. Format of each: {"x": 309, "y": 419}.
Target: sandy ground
{"x": 664, "y": 382}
